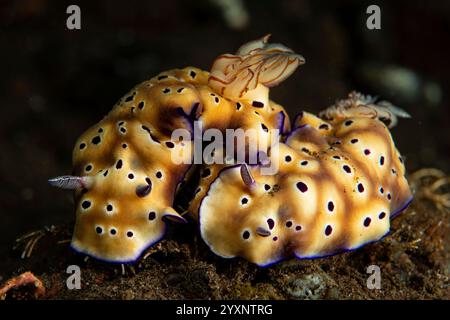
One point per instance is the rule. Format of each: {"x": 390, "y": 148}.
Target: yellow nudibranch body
{"x": 339, "y": 181}
{"x": 130, "y": 151}
{"x": 338, "y": 185}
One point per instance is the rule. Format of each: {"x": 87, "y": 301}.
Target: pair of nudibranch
{"x": 339, "y": 181}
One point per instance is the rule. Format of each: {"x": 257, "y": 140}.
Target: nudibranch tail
{"x": 171, "y": 214}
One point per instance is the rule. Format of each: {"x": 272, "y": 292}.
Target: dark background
{"x": 55, "y": 83}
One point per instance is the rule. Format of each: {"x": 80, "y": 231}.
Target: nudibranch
{"x": 255, "y": 67}
{"x": 123, "y": 175}
{"x": 364, "y": 106}
{"x": 340, "y": 181}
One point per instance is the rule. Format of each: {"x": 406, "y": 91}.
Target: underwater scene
{"x": 225, "y": 150}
